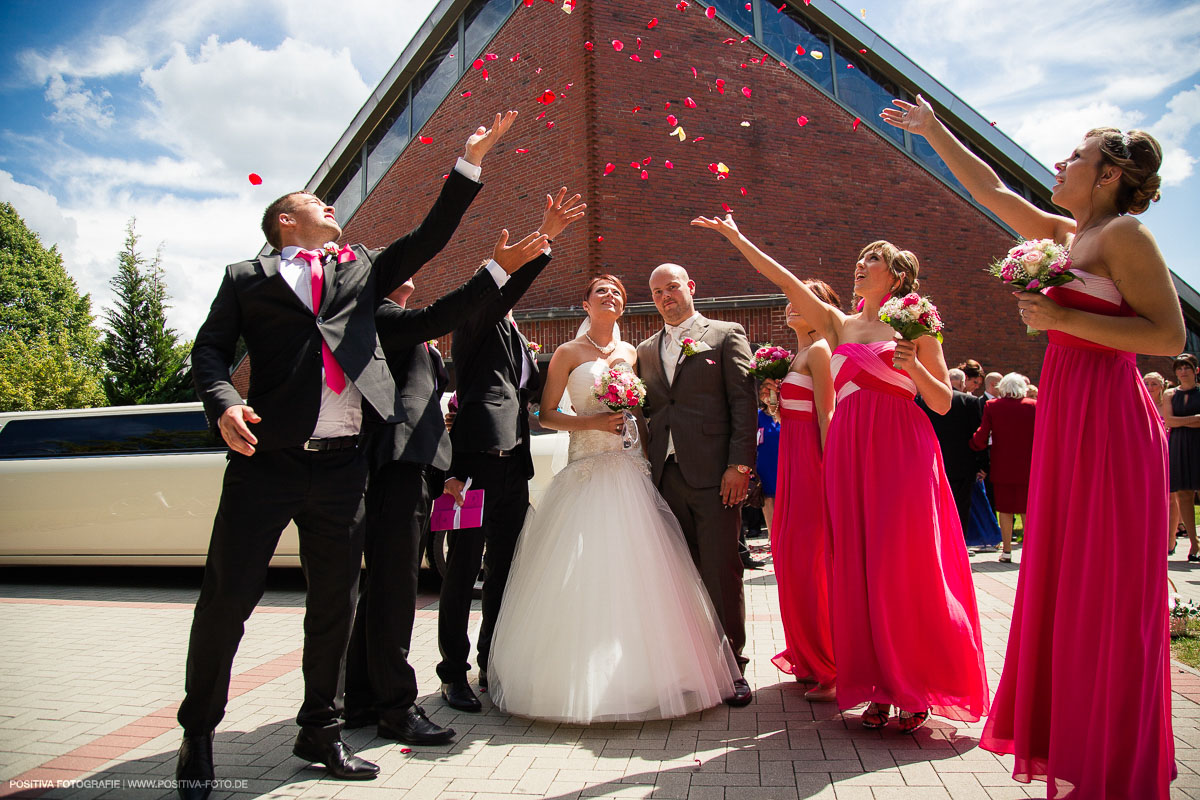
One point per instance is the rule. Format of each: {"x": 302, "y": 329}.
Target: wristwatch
{"x": 742, "y": 468}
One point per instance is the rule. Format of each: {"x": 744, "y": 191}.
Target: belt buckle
{"x": 312, "y": 445}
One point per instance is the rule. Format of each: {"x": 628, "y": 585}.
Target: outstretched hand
{"x": 560, "y": 214}
{"x": 915, "y": 117}
{"x": 484, "y": 139}
{"x": 232, "y": 425}
{"x": 512, "y": 258}
{"x": 726, "y": 227}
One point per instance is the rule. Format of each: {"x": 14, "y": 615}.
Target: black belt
{"x": 495, "y": 451}
{"x": 330, "y": 443}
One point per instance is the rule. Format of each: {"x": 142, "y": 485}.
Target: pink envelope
{"x": 448, "y": 517}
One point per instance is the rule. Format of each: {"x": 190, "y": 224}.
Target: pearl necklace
{"x": 604, "y": 351}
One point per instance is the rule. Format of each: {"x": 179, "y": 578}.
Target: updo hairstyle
{"x": 1138, "y": 155}
{"x": 903, "y": 264}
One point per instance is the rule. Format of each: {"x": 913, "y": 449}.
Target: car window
{"x": 107, "y": 434}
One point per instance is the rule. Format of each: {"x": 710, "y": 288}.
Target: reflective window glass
{"x": 388, "y": 140}
{"x": 783, "y": 31}
{"x": 866, "y": 91}
{"x": 430, "y": 85}
{"x": 926, "y": 155}
{"x": 736, "y": 12}
{"x": 481, "y": 20}
{"x": 107, "y": 434}
{"x": 347, "y": 192}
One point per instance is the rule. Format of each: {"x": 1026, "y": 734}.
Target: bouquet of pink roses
{"x": 620, "y": 389}
{"x": 1034, "y": 265}
{"x": 771, "y": 361}
{"x": 912, "y": 316}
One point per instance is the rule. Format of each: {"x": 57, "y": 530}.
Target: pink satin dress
{"x": 905, "y": 622}
{"x": 799, "y": 534}
{"x": 1084, "y": 702}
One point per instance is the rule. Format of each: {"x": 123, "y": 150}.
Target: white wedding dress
{"x": 604, "y": 615}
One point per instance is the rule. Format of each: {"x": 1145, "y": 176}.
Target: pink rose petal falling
{"x": 800, "y": 50}
{"x": 599, "y": 238}
{"x": 710, "y": 12}
{"x": 658, "y": 53}
{"x": 588, "y": 46}
{"x": 466, "y": 94}
{"x": 652, "y": 23}
{"x": 720, "y": 86}
{"x": 801, "y": 120}
{"x": 682, "y": 5}
{"x": 645, "y": 175}
{"x": 725, "y": 207}
{"x": 863, "y": 51}
{"x": 694, "y": 74}
{"x": 550, "y": 124}
{"x": 712, "y": 168}
{"x": 639, "y": 43}
{"x": 405, "y": 750}
{"x": 672, "y": 120}
{"x": 742, "y": 189}
{"x": 635, "y": 165}
{"x": 746, "y": 91}
{"x": 255, "y": 179}
{"x": 547, "y": 97}
{"x": 491, "y": 56}
{"x": 689, "y": 102}
{"x": 667, "y": 106}
{"x": 668, "y": 165}
{"x": 635, "y": 109}
{"x": 729, "y": 41}
{"x": 478, "y": 64}
{"x": 515, "y": 58}
{"x": 426, "y": 139}
{"x": 646, "y": 161}
{"x": 698, "y": 139}
{"x": 609, "y": 167}
{"x": 541, "y": 115}
{"x": 484, "y": 73}
{"x": 522, "y": 150}
{"x": 854, "y": 125}
{"x": 636, "y": 57}
{"x": 618, "y": 45}
{"x": 745, "y": 38}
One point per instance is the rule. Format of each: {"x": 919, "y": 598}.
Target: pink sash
{"x": 870, "y": 371}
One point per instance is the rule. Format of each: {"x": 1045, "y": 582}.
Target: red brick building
{"x": 810, "y": 194}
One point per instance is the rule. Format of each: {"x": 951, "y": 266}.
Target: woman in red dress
{"x": 1008, "y": 425}
{"x": 1084, "y": 702}
{"x": 914, "y": 644}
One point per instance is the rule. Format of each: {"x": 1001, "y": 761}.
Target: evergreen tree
{"x": 146, "y": 361}
{"x": 49, "y": 350}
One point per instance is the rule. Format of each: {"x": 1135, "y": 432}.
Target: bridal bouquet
{"x": 620, "y": 389}
{"x": 771, "y": 362}
{"x": 912, "y": 316}
{"x": 1034, "y": 265}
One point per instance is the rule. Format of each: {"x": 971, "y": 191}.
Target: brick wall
{"x": 815, "y": 195}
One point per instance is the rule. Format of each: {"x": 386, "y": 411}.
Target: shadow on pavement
{"x": 149, "y": 584}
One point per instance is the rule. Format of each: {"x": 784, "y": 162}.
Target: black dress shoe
{"x": 411, "y": 726}
{"x": 320, "y": 747}
{"x": 459, "y": 695}
{"x": 194, "y": 770}
{"x": 741, "y": 694}
{"x": 752, "y": 563}
{"x": 483, "y": 679}
{"x": 361, "y": 719}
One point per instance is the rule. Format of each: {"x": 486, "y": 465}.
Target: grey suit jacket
{"x": 711, "y": 406}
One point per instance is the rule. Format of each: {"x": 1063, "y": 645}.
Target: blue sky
{"x": 158, "y": 109}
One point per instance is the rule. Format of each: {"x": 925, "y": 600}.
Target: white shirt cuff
{"x": 468, "y": 170}
{"x": 497, "y": 272}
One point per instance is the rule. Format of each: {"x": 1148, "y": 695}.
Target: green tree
{"x": 146, "y": 361}
{"x": 49, "y": 350}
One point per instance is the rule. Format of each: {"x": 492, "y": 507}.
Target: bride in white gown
{"x": 604, "y": 616}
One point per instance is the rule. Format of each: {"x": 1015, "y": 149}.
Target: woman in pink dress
{"x": 1084, "y": 702}
{"x": 799, "y": 531}
{"x": 905, "y": 623}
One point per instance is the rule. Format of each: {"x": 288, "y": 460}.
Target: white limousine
{"x": 135, "y": 485}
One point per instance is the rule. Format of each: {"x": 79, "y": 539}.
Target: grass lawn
{"x": 1186, "y": 648}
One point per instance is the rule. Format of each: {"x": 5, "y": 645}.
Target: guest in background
{"x": 767, "y": 459}
{"x": 1181, "y": 412}
{"x": 1008, "y": 424}
{"x": 974, "y": 375}
{"x": 1032, "y": 392}
{"x": 1157, "y": 385}
{"x": 954, "y": 429}
{"x": 991, "y": 384}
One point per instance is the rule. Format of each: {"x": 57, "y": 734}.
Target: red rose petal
{"x": 729, "y": 41}
{"x": 652, "y": 23}
{"x": 658, "y": 53}
{"x": 782, "y": 6}
{"x": 694, "y": 75}
{"x": 485, "y": 74}
{"x": 854, "y": 125}
{"x": 712, "y": 168}
{"x": 609, "y": 167}
{"x": 698, "y": 139}
{"x": 515, "y": 58}
{"x": 800, "y": 50}
{"x": 710, "y": 12}
{"x": 405, "y": 750}
{"x": 547, "y": 97}
{"x": 801, "y": 120}
{"x": 667, "y": 106}
{"x": 849, "y": 66}
{"x": 746, "y": 91}
{"x": 550, "y": 124}
{"x": 689, "y": 102}
{"x": 635, "y": 165}
{"x": 491, "y": 56}
{"x": 668, "y": 165}
{"x": 682, "y": 5}
{"x": 466, "y": 94}
{"x": 447, "y": 175}
{"x": 646, "y": 161}
{"x": 993, "y": 124}
{"x": 588, "y": 46}
{"x": 426, "y": 139}
{"x": 478, "y": 63}
{"x": 255, "y": 179}
{"x": 747, "y": 6}
{"x": 672, "y": 120}
{"x": 863, "y": 51}
{"x": 725, "y": 207}
{"x": 743, "y": 191}
{"x": 599, "y": 238}
{"x": 522, "y": 150}
{"x": 528, "y": 3}
{"x": 541, "y": 115}
{"x": 639, "y": 43}
{"x": 538, "y": 71}
{"x": 720, "y": 86}
{"x": 745, "y": 38}
{"x": 645, "y": 175}
{"x": 636, "y": 57}
{"x": 618, "y": 45}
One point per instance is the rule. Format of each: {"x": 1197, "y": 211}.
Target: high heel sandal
{"x": 822, "y": 693}
{"x": 876, "y": 716}
{"x": 911, "y": 721}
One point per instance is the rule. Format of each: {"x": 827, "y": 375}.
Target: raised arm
{"x": 825, "y": 318}
{"x": 979, "y": 179}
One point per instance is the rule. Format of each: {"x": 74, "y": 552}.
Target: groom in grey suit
{"x": 701, "y": 415}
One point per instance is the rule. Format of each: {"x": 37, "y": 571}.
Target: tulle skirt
{"x": 604, "y": 615}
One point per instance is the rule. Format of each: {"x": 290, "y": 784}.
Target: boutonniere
{"x": 339, "y": 254}
{"x": 533, "y": 347}
{"x": 431, "y": 343}
{"x": 691, "y": 347}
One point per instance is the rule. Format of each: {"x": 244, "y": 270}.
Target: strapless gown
{"x": 604, "y": 615}
{"x": 1084, "y": 702}
{"x": 905, "y": 622}
{"x": 798, "y": 537}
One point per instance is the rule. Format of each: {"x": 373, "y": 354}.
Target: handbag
{"x": 754, "y": 492}
{"x": 983, "y": 530}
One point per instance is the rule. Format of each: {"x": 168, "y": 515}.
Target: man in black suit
{"x": 381, "y": 686}
{"x": 954, "y": 430}
{"x": 497, "y": 378}
{"x": 307, "y": 316}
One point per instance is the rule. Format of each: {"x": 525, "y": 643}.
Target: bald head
{"x": 673, "y": 293}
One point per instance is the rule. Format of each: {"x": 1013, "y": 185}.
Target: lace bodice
{"x": 585, "y": 444}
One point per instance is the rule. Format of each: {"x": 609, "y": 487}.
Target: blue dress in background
{"x": 767, "y": 460}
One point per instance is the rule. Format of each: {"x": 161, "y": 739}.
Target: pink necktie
{"x": 335, "y": 377}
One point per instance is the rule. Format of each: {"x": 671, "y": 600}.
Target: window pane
{"x": 107, "y": 434}
{"x": 482, "y": 20}
{"x": 388, "y": 140}
{"x": 784, "y": 30}
{"x": 347, "y": 193}
{"x": 933, "y": 161}
{"x": 865, "y": 91}
{"x": 434, "y": 80}
{"x": 736, "y": 12}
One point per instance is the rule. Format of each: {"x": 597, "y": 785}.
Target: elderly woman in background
{"x": 1157, "y": 386}
{"x": 1180, "y": 410}
{"x": 1008, "y": 421}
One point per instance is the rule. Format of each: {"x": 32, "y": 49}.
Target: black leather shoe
{"x": 336, "y": 755}
{"x": 194, "y": 770}
{"x": 361, "y": 719}
{"x": 741, "y": 694}
{"x": 483, "y": 679}
{"x": 411, "y": 726}
{"x": 459, "y": 695}
{"x": 752, "y": 563}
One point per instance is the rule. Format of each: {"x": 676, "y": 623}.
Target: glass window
{"x": 430, "y": 85}
{"x": 736, "y": 12}
{"x": 388, "y": 140}
{"x": 866, "y": 91}
{"x": 108, "y": 434}
{"x": 926, "y": 155}
{"x": 783, "y": 31}
{"x": 347, "y": 193}
{"x": 481, "y": 21}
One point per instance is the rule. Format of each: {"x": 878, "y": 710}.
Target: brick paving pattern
{"x": 91, "y": 675}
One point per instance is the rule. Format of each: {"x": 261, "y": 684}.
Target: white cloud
{"x": 40, "y": 211}
{"x": 78, "y": 106}
{"x": 1172, "y": 130}
{"x": 1050, "y": 131}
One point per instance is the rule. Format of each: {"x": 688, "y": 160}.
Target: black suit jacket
{"x": 488, "y": 351}
{"x": 419, "y": 373}
{"x": 284, "y": 338}
{"x": 954, "y": 430}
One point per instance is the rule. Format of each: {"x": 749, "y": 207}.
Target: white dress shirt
{"x": 671, "y": 352}
{"x": 341, "y": 414}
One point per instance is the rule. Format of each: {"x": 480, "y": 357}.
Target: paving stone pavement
{"x": 91, "y": 673}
